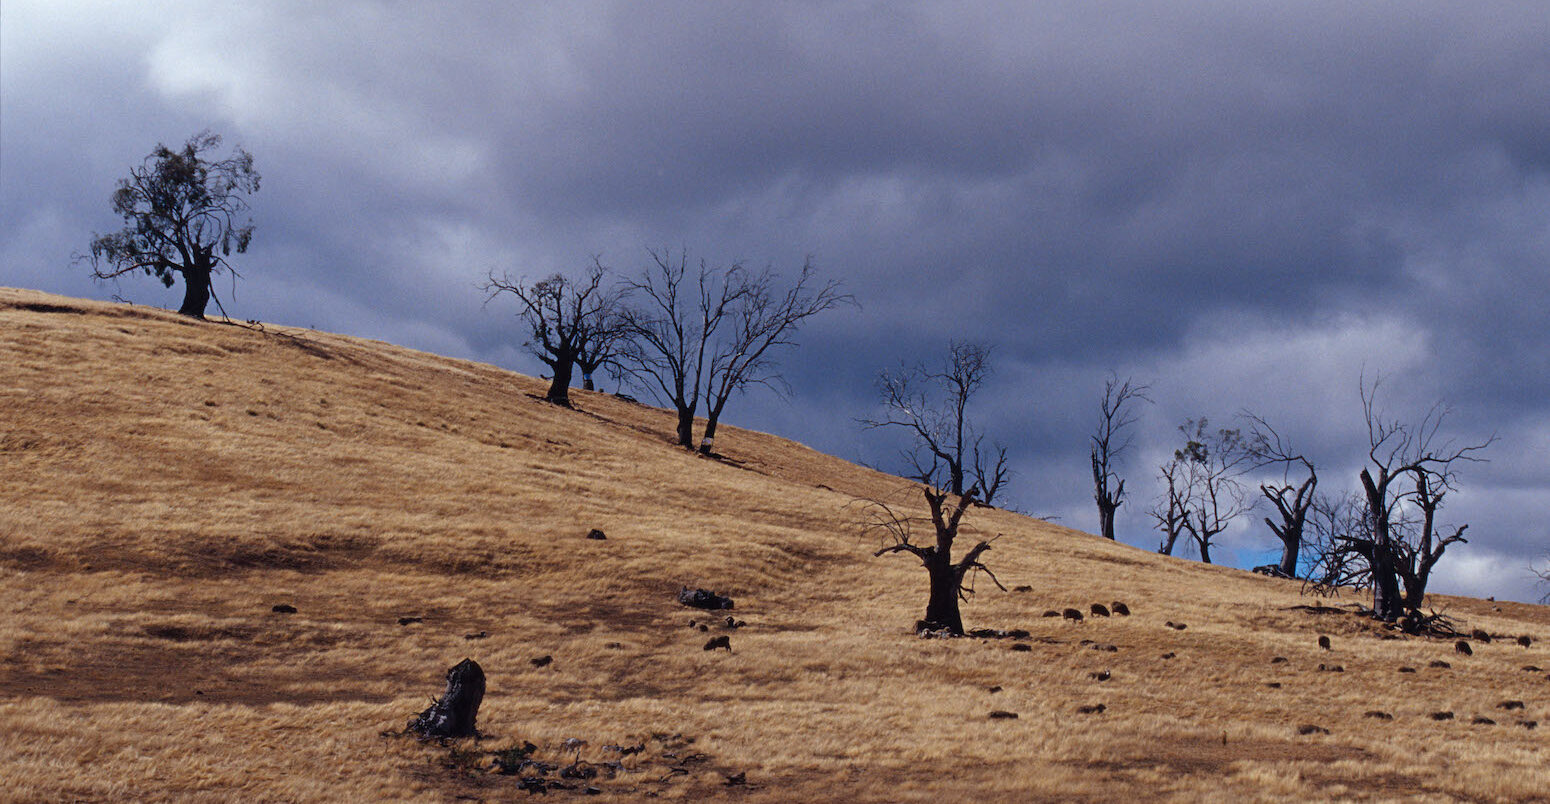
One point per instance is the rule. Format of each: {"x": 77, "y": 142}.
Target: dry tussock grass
{"x": 167, "y": 482}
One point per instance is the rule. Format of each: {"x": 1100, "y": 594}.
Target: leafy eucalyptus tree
{"x": 182, "y": 212}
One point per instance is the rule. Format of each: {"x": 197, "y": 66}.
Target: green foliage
{"x": 180, "y": 212}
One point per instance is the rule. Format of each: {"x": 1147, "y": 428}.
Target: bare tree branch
{"x": 1265, "y": 447}
{"x": 1398, "y": 450}
{"x": 955, "y": 472}
{"x": 1110, "y": 440}
{"x": 567, "y": 321}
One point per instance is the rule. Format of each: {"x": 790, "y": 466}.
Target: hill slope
{"x": 168, "y": 482}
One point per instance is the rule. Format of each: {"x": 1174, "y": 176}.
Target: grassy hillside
{"x": 167, "y": 483}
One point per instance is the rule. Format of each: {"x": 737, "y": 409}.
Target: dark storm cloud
{"x": 1247, "y": 204}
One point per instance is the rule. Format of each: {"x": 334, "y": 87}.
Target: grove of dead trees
{"x": 693, "y": 338}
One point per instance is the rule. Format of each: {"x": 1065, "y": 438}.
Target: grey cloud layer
{"x": 1246, "y": 203}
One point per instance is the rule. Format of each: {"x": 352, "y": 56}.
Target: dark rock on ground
{"x": 703, "y": 599}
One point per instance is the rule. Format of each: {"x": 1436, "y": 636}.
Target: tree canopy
{"x": 182, "y": 213}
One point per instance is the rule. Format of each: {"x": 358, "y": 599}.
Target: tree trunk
{"x": 196, "y": 291}
{"x": 708, "y": 440}
{"x": 586, "y": 381}
{"x": 1106, "y": 520}
{"x": 1386, "y": 603}
{"x": 559, "y": 386}
{"x": 942, "y": 607}
{"x": 1290, "y": 545}
{"x": 1167, "y": 545}
{"x": 1205, "y": 550}
{"x": 453, "y": 714}
{"x": 685, "y": 426}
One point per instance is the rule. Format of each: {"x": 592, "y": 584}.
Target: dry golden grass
{"x": 167, "y": 482}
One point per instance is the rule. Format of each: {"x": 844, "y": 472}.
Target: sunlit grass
{"x": 167, "y": 483}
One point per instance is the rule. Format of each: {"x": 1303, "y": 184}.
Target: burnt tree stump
{"x": 453, "y": 714}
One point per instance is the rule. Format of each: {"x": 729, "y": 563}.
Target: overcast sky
{"x": 1245, "y": 204}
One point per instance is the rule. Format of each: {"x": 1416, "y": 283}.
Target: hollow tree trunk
{"x": 1106, "y": 520}
{"x": 196, "y": 291}
{"x": 586, "y": 381}
{"x": 942, "y": 606}
{"x": 559, "y": 385}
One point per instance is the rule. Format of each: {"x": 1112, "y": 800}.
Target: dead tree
{"x": 954, "y": 472}
{"x": 1292, "y": 501}
{"x": 1334, "y": 531}
{"x": 1116, "y": 415}
{"x": 931, "y": 405}
{"x": 946, "y": 577}
{"x": 567, "y": 320}
{"x": 671, "y": 329}
{"x": 1415, "y": 560}
{"x": 1397, "y": 451}
{"x": 603, "y": 349}
{"x": 1170, "y": 509}
{"x": 764, "y": 319}
{"x": 455, "y": 712}
{"x": 1204, "y": 492}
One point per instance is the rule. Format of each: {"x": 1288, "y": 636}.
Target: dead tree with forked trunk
{"x": 1399, "y": 451}
{"x": 764, "y": 319}
{"x": 1292, "y": 500}
{"x": 672, "y": 327}
{"x": 1204, "y": 495}
{"x": 702, "y": 337}
{"x": 568, "y": 320}
{"x": 1109, "y": 442}
{"x": 1170, "y": 510}
{"x": 954, "y": 470}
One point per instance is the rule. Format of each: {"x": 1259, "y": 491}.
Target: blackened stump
{"x": 453, "y": 714}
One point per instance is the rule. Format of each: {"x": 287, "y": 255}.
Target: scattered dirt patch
{"x": 181, "y": 633}
{"x": 41, "y": 307}
{"x": 173, "y": 671}
{"x": 1192, "y": 755}
{"x": 29, "y": 559}
{"x": 314, "y": 554}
